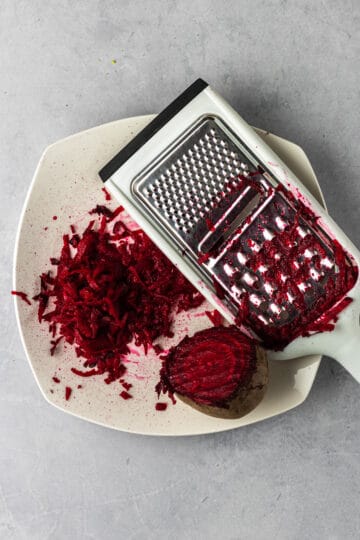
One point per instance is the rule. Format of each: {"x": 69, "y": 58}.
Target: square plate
{"x": 65, "y": 186}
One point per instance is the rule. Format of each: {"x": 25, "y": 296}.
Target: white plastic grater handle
{"x": 342, "y": 344}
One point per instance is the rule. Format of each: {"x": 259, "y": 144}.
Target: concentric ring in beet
{"x": 211, "y": 366}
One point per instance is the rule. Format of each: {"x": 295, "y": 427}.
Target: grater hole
{"x": 194, "y": 182}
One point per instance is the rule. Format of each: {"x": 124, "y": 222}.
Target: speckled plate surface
{"x": 66, "y": 185}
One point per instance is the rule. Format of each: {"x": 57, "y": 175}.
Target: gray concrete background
{"x": 288, "y": 66}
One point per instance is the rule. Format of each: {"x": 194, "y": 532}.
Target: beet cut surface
{"x": 210, "y": 367}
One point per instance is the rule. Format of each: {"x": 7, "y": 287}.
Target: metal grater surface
{"x": 238, "y": 273}
{"x": 210, "y": 196}
{"x": 190, "y": 181}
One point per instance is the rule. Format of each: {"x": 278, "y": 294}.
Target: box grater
{"x": 210, "y": 193}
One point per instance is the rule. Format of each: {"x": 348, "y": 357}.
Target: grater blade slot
{"x": 225, "y": 227}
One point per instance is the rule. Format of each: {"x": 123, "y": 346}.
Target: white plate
{"x": 66, "y": 185}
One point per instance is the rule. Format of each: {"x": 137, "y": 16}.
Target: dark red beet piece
{"x": 106, "y": 193}
{"x": 210, "y": 224}
{"x": 120, "y": 230}
{"x": 218, "y": 289}
{"x": 74, "y": 240}
{"x": 54, "y": 344}
{"x": 214, "y": 317}
{"x": 203, "y": 258}
{"x": 210, "y": 367}
{"x": 22, "y": 295}
{"x": 89, "y": 373}
{"x": 125, "y": 395}
{"x": 68, "y": 392}
{"x": 100, "y": 209}
{"x": 56, "y": 380}
{"x": 161, "y": 406}
{"x": 107, "y": 291}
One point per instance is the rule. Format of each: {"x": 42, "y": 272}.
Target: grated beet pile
{"x": 110, "y": 286}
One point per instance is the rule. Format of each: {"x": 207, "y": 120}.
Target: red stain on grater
{"x": 234, "y": 218}
{"x": 283, "y": 271}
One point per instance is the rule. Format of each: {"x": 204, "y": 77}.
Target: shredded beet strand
{"x": 214, "y": 317}
{"x": 22, "y": 295}
{"x": 106, "y": 193}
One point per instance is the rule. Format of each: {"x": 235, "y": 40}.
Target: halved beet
{"x": 211, "y": 367}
